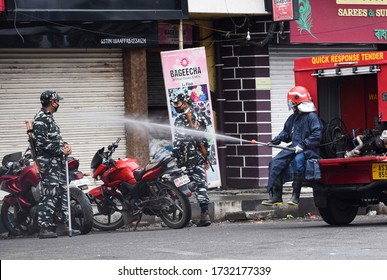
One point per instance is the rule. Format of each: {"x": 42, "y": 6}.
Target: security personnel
{"x": 51, "y": 152}
{"x": 191, "y": 149}
{"x": 304, "y": 130}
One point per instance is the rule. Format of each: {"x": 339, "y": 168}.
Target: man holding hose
{"x": 304, "y": 130}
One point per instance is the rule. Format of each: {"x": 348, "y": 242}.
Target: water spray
{"x": 273, "y": 146}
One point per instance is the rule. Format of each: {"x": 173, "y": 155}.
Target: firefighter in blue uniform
{"x": 51, "y": 155}
{"x": 304, "y": 130}
{"x": 191, "y": 149}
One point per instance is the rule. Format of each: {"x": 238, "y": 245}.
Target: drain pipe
{"x": 220, "y": 102}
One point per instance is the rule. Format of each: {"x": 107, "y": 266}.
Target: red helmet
{"x": 298, "y": 95}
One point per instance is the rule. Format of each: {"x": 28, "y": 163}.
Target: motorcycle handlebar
{"x": 114, "y": 145}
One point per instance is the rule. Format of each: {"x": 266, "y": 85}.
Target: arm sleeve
{"x": 286, "y": 134}
{"x": 44, "y": 144}
{"x": 315, "y": 132}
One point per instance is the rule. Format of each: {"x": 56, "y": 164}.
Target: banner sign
{"x": 340, "y": 21}
{"x": 98, "y": 35}
{"x": 187, "y": 69}
{"x": 337, "y": 60}
{"x": 169, "y": 34}
{"x": 283, "y": 10}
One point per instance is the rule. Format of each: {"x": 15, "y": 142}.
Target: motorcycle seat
{"x": 156, "y": 164}
{"x": 138, "y": 173}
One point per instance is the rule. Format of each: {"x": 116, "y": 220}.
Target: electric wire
{"x": 14, "y": 22}
{"x": 226, "y": 33}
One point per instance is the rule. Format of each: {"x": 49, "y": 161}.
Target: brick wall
{"x": 246, "y": 113}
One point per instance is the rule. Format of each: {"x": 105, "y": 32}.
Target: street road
{"x": 303, "y": 239}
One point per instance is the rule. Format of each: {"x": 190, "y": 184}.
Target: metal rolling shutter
{"x": 282, "y": 75}
{"x": 91, "y": 82}
{"x": 156, "y": 88}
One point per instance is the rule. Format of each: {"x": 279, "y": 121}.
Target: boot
{"x": 276, "y": 197}
{"x": 47, "y": 233}
{"x": 204, "y": 220}
{"x": 204, "y": 217}
{"x": 297, "y": 185}
{"x": 63, "y": 230}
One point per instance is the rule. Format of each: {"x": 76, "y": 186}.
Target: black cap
{"x": 49, "y": 96}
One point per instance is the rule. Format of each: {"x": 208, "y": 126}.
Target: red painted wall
{"x": 340, "y": 22}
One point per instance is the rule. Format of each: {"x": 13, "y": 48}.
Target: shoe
{"x": 275, "y": 195}
{"x": 204, "y": 220}
{"x": 297, "y": 185}
{"x": 293, "y": 202}
{"x": 47, "y": 233}
{"x": 63, "y": 230}
{"x": 272, "y": 202}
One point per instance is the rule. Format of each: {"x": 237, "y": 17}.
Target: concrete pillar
{"x": 136, "y": 102}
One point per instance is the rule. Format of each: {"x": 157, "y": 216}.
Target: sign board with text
{"x": 284, "y": 10}
{"x": 340, "y": 21}
{"x": 187, "y": 69}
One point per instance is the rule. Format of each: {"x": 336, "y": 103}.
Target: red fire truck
{"x": 350, "y": 93}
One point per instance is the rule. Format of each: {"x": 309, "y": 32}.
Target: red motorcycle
{"x": 19, "y": 178}
{"x": 160, "y": 189}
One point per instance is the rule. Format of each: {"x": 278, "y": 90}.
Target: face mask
{"x": 57, "y": 106}
{"x": 179, "y": 109}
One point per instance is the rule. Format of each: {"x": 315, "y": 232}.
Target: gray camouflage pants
{"x": 198, "y": 175}
{"x": 52, "y": 207}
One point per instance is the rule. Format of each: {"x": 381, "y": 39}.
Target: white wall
{"x": 226, "y": 7}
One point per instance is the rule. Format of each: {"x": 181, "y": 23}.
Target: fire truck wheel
{"x": 338, "y": 211}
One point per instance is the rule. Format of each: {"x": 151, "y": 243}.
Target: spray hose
{"x": 333, "y": 142}
{"x": 273, "y": 146}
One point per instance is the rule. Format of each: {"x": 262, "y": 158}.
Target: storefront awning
{"x": 98, "y": 10}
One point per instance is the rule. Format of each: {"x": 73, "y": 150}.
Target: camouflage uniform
{"x": 49, "y": 142}
{"x": 188, "y": 153}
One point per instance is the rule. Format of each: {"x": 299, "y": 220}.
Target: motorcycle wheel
{"x": 107, "y": 213}
{"x": 16, "y": 220}
{"x": 177, "y": 212}
{"x": 81, "y": 211}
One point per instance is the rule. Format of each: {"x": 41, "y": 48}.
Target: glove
{"x": 298, "y": 149}
{"x": 275, "y": 142}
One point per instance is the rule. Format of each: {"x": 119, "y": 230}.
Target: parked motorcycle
{"x": 160, "y": 189}
{"x": 19, "y": 178}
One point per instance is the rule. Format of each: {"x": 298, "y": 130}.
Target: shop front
{"x": 93, "y": 53}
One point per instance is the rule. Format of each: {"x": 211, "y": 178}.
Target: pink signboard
{"x": 340, "y": 21}
{"x": 187, "y": 69}
{"x": 169, "y": 33}
{"x": 283, "y": 10}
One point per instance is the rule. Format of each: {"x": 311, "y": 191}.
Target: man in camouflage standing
{"x": 51, "y": 152}
{"x": 191, "y": 149}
